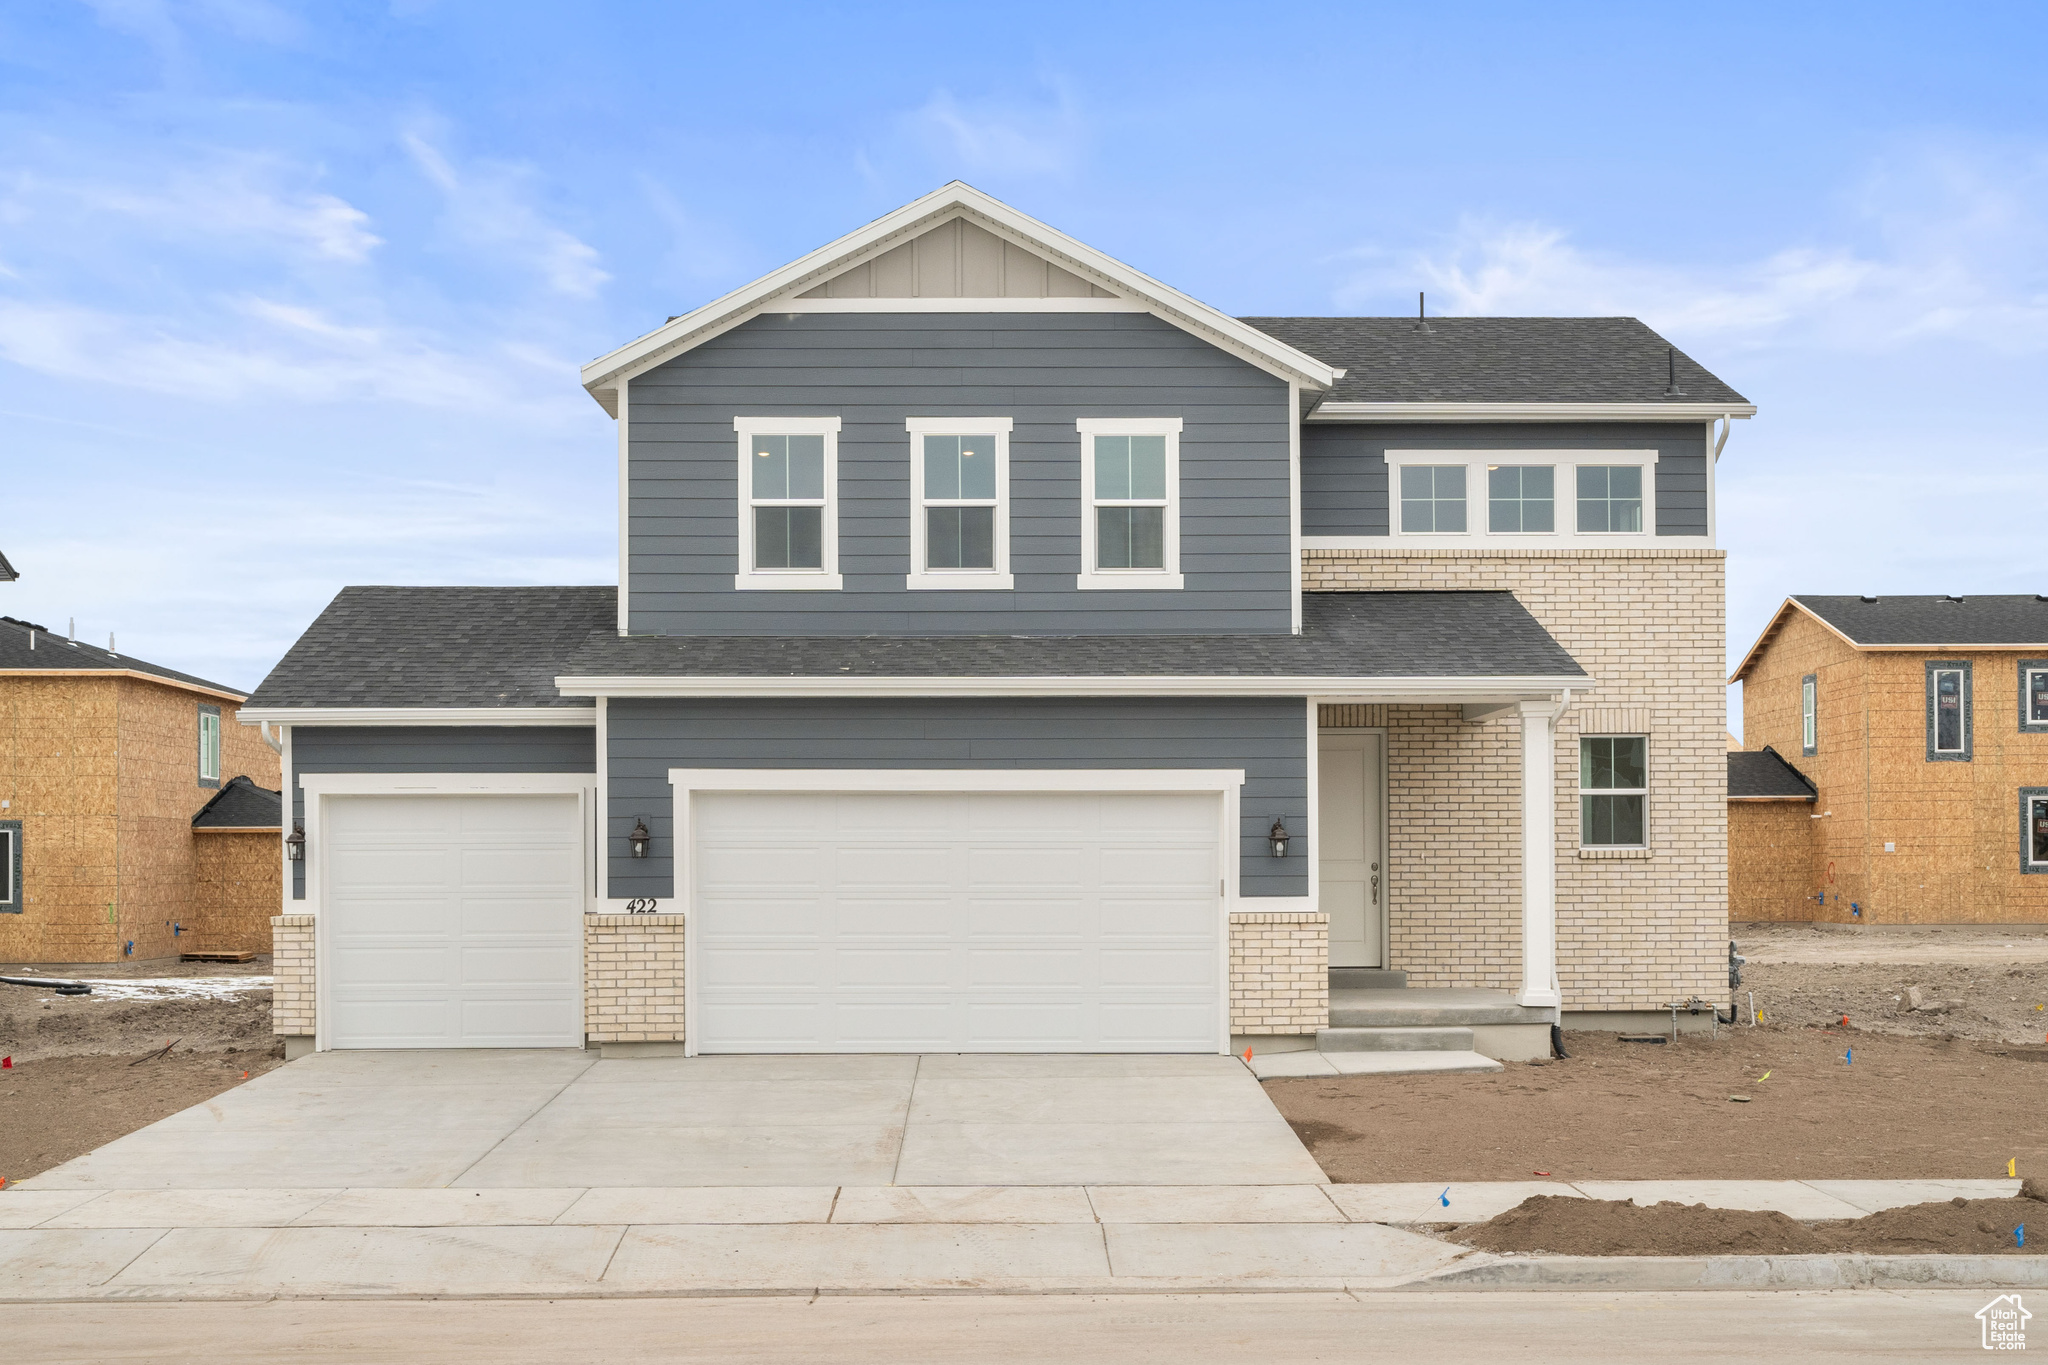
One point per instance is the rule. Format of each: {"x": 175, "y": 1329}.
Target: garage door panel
{"x": 513, "y": 965}
{"x": 1026, "y": 967}
{"x": 900, "y": 968}
{"x": 1148, "y": 919}
{"x": 760, "y": 967}
{"x": 893, "y": 917}
{"x": 491, "y": 917}
{"x": 511, "y": 869}
{"x": 899, "y": 868}
{"x": 791, "y": 865}
{"x": 393, "y": 1021}
{"x": 390, "y": 867}
{"x": 1043, "y": 865}
{"x": 1026, "y": 920}
{"x": 1161, "y": 869}
{"x": 1152, "y": 966}
{"x": 520, "y": 1022}
{"x": 356, "y": 968}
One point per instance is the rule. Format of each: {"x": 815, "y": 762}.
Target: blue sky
{"x": 293, "y": 296}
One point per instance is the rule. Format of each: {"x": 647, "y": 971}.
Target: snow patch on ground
{"x": 179, "y": 987}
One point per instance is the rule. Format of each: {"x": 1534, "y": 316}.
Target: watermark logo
{"x": 2005, "y": 1323}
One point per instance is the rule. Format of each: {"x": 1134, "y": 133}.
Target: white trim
{"x": 1539, "y": 854}
{"x": 686, "y": 783}
{"x": 1478, "y": 532}
{"x": 1644, "y": 791}
{"x": 1511, "y": 543}
{"x": 444, "y": 784}
{"x": 1167, "y": 578}
{"x": 207, "y": 751}
{"x": 795, "y": 307}
{"x": 602, "y": 832}
{"x": 825, "y": 578}
{"x": 1294, "y": 506}
{"x": 773, "y": 291}
{"x": 1335, "y": 689}
{"x": 625, "y": 521}
{"x": 288, "y": 903}
{"x": 420, "y": 715}
{"x": 1528, "y": 412}
{"x": 996, "y": 579}
{"x": 1315, "y": 809}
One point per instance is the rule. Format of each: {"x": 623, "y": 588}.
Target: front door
{"x": 1351, "y": 788}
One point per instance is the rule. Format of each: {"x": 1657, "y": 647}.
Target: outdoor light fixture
{"x": 1278, "y": 838}
{"x": 295, "y": 844}
{"x": 637, "y": 840}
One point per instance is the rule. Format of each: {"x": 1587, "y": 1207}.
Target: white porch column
{"x": 1539, "y": 854}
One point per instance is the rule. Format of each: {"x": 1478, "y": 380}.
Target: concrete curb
{"x": 1849, "y": 1271}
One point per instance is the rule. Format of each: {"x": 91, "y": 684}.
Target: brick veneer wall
{"x": 1635, "y": 931}
{"x": 1279, "y": 972}
{"x": 292, "y": 1008}
{"x": 633, "y": 978}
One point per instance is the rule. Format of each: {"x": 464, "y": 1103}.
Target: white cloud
{"x": 488, "y": 206}
{"x": 1003, "y": 138}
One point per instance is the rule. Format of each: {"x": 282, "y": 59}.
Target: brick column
{"x": 293, "y": 1011}
{"x": 633, "y": 978}
{"x": 1279, "y": 972}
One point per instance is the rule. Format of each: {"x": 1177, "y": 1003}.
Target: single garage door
{"x": 958, "y": 922}
{"x": 453, "y": 921}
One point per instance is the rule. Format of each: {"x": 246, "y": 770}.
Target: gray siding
{"x": 1344, "y": 468}
{"x": 433, "y": 749}
{"x": 1264, "y": 736}
{"x": 1041, "y": 370}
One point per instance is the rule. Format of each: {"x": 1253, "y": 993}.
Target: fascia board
{"x": 948, "y": 201}
{"x": 1527, "y": 412}
{"x": 137, "y": 674}
{"x": 237, "y": 829}
{"x": 1809, "y": 799}
{"x": 1363, "y": 689}
{"x": 419, "y": 715}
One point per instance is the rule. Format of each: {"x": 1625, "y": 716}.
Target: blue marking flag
{"x": 1445, "y": 1197}
{"x": 2021, "y": 1233}
{"x": 1850, "y": 1056}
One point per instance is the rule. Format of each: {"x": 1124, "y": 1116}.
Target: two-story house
{"x": 1919, "y": 787}
{"x": 1013, "y": 653}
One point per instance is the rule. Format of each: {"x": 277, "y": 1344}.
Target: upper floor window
{"x": 2033, "y": 695}
{"x": 1610, "y": 499}
{"x": 1130, "y": 522}
{"x": 788, "y": 512}
{"x": 1614, "y": 789}
{"x": 1432, "y": 498}
{"x": 959, "y": 491}
{"x": 1521, "y": 498}
{"x": 10, "y": 867}
{"x": 209, "y": 746}
{"x": 1948, "y": 711}
{"x": 1809, "y": 721}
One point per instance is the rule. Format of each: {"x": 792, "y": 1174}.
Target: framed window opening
{"x": 2034, "y": 831}
{"x": 788, "y": 503}
{"x": 1948, "y": 711}
{"x": 959, "y": 503}
{"x": 1809, "y": 715}
{"x": 1597, "y": 498}
{"x": 2033, "y": 696}
{"x": 1130, "y": 503}
{"x": 209, "y": 746}
{"x": 1614, "y": 791}
{"x": 10, "y": 867}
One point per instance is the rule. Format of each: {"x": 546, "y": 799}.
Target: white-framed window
{"x": 1597, "y": 498}
{"x": 1130, "y": 502}
{"x": 1809, "y": 715}
{"x": 2033, "y": 696}
{"x": 959, "y": 502}
{"x": 2034, "y": 830}
{"x": 1948, "y": 711}
{"x": 788, "y": 502}
{"x": 1614, "y": 791}
{"x": 209, "y": 746}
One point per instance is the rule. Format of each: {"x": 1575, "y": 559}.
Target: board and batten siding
{"x": 1344, "y": 467}
{"x": 1266, "y": 737}
{"x": 873, "y": 370}
{"x": 433, "y": 749}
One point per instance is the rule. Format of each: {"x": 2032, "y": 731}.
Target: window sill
{"x": 795, "y": 582}
{"x": 959, "y": 582}
{"x": 1613, "y": 854}
{"x": 1129, "y": 582}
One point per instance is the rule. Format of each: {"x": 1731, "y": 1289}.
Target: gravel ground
{"x": 1997, "y": 981}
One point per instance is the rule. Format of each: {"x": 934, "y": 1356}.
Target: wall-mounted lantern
{"x": 637, "y": 840}
{"x": 1278, "y": 838}
{"x": 295, "y": 844}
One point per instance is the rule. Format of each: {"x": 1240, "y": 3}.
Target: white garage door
{"x": 453, "y": 921}
{"x": 969, "y": 922}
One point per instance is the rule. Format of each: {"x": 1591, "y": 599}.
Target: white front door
{"x": 453, "y": 921}
{"x": 1350, "y": 805}
{"x": 957, "y": 921}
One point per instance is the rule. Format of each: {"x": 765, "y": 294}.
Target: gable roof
{"x": 27, "y": 648}
{"x": 241, "y": 804}
{"x": 7, "y": 573}
{"x": 601, "y": 377}
{"x": 1506, "y": 360}
{"x": 1764, "y": 775}
{"x": 1906, "y": 624}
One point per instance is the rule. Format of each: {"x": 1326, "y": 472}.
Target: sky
{"x": 293, "y": 296}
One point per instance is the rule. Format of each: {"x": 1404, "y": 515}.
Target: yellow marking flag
{"x": 1766, "y": 1076}
{"x": 2012, "y": 1166}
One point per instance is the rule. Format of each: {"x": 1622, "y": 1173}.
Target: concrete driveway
{"x": 560, "y": 1119}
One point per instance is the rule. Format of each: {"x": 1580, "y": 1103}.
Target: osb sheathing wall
{"x": 239, "y": 882}
{"x": 104, "y": 775}
{"x": 1635, "y": 931}
{"x": 1770, "y": 853}
{"x": 1954, "y": 827}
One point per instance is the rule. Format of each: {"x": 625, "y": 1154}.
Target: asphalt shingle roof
{"x": 1763, "y": 773}
{"x": 57, "y": 654}
{"x": 7, "y": 573}
{"x": 1937, "y": 622}
{"x": 394, "y": 646}
{"x": 1498, "y": 360}
{"x": 241, "y": 804}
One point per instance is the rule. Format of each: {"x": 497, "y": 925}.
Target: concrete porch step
{"x": 1273, "y": 1065}
{"x": 1428, "y": 1008}
{"x": 1394, "y": 1040}
{"x": 1367, "y": 979}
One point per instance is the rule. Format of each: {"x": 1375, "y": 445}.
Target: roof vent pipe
{"x": 1870, "y": 599}
{"x": 110, "y": 642}
{"x": 1671, "y": 389}
{"x": 1421, "y": 312}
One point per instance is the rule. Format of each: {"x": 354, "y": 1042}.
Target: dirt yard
{"x": 85, "y": 1068}
{"x": 1927, "y": 1095}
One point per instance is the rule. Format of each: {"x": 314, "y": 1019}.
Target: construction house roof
{"x": 1762, "y": 775}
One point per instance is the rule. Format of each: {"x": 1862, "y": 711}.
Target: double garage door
{"x": 825, "y": 921}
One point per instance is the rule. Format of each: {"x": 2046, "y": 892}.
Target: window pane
{"x": 771, "y": 466}
{"x": 1521, "y": 498}
{"x": 1625, "y": 481}
{"x": 977, "y": 467}
{"x": 1112, "y": 466}
{"x": 1631, "y": 762}
{"x": 2040, "y": 824}
{"x": 1416, "y": 481}
{"x": 807, "y": 466}
{"x": 942, "y": 466}
{"x": 1432, "y": 497}
{"x": 1130, "y": 537}
{"x": 2037, "y": 690}
{"x": 1148, "y": 466}
{"x": 1948, "y": 712}
{"x": 789, "y": 537}
{"x": 1593, "y": 483}
{"x": 1611, "y": 821}
{"x": 1610, "y": 498}
{"x": 1596, "y": 763}
{"x": 960, "y": 537}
